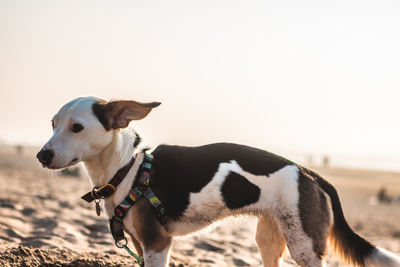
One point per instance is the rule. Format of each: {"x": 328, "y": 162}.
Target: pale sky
{"x": 287, "y": 76}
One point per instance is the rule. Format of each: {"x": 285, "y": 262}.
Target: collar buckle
{"x": 109, "y": 188}
{"x": 102, "y": 192}
{"x": 105, "y": 191}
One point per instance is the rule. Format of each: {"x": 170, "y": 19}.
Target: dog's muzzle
{"x": 45, "y": 157}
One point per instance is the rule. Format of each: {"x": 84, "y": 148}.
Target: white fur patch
{"x": 157, "y": 259}
{"x": 382, "y": 258}
{"x": 275, "y": 188}
{"x": 205, "y": 206}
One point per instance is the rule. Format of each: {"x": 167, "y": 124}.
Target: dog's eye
{"x": 76, "y": 128}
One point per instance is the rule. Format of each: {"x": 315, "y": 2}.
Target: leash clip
{"x": 121, "y": 243}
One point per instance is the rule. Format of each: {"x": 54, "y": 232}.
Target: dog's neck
{"x": 116, "y": 155}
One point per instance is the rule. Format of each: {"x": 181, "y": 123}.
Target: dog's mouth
{"x": 51, "y": 167}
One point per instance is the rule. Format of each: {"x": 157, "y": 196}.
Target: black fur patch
{"x": 238, "y": 192}
{"x": 177, "y": 170}
{"x": 137, "y": 141}
{"x": 99, "y": 109}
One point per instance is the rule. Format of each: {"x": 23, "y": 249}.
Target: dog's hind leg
{"x": 270, "y": 241}
{"x": 300, "y": 245}
{"x": 307, "y": 223}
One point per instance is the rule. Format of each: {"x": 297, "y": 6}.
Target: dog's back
{"x": 179, "y": 170}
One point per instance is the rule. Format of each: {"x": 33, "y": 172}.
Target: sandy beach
{"x": 43, "y": 221}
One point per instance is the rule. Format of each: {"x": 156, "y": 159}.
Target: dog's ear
{"x": 118, "y": 114}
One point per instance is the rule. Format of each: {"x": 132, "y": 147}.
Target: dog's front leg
{"x": 156, "y": 253}
{"x": 150, "y": 234}
{"x": 154, "y": 258}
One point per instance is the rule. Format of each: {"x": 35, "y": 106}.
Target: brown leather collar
{"x": 108, "y": 189}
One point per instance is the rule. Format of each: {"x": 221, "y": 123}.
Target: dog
{"x": 200, "y": 185}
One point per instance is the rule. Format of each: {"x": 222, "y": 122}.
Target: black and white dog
{"x": 200, "y": 185}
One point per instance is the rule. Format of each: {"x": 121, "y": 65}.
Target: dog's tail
{"x": 351, "y": 247}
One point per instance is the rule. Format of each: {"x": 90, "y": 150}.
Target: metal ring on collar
{"x": 93, "y": 192}
{"x": 121, "y": 245}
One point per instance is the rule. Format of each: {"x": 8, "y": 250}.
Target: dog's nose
{"x": 45, "y": 156}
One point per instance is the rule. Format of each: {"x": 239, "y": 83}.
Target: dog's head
{"x": 83, "y": 127}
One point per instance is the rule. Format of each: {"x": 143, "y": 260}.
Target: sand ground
{"x": 43, "y": 221}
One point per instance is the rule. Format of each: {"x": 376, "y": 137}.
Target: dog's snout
{"x": 45, "y": 156}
